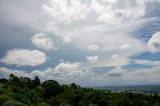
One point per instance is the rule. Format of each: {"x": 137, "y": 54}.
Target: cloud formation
{"x": 74, "y": 10}
{"x": 154, "y": 42}
{"x": 5, "y": 72}
{"x": 115, "y": 56}
{"x": 96, "y": 33}
{"x": 93, "y": 47}
{"x": 115, "y": 76}
{"x": 147, "y": 62}
{"x": 24, "y": 57}
{"x": 67, "y": 67}
{"x": 101, "y": 22}
{"x": 92, "y": 59}
{"x": 125, "y": 46}
{"x": 42, "y": 41}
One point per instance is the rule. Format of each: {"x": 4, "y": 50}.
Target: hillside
{"x": 23, "y": 91}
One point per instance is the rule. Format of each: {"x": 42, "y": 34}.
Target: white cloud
{"x": 126, "y": 46}
{"x": 24, "y": 57}
{"x": 67, "y": 67}
{"x": 92, "y": 59}
{"x": 75, "y": 19}
{"x": 66, "y": 39}
{"x": 93, "y": 47}
{"x": 117, "y": 62}
{"x": 88, "y": 77}
{"x": 43, "y": 75}
{"x": 103, "y": 25}
{"x": 64, "y": 10}
{"x": 147, "y": 62}
{"x": 117, "y": 12}
{"x": 113, "y": 62}
{"x": 93, "y": 25}
{"x": 154, "y": 42}
{"x": 110, "y": 12}
{"x": 5, "y": 72}
{"x": 119, "y": 76}
{"x": 115, "y": 56}
{"x": 42, "y": 41}
{"x": 109, "y": 41}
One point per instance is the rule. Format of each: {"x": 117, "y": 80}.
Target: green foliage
{"x": 26, "y": 92}
{"x": 36, "y": 82}
{"x": 52, "y": 88}
{"x": 3, "y": 80}
{"x": 13, "y": 103}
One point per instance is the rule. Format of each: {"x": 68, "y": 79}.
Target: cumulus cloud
{"x": 5, "y": 72}
{"x": 66, "y": 39}
{"x": 112, "y": 62}
{"x": 24, "y": 57}
{"x": 154, "y": 42}
{"x": 67, "y": 67}
{"x": 64, "y": 10}
{"x": 42, "y": 41}
{"x": 88, "y": 77}
{"x": 72, "y": 19}
{"x": 74, "y": 10}
{"x": 126, "y": 46}
{"x": 118, "y": 13}
{"x": 93, "y": 47}
{"x": 92, "y": 25}
{"x": 92, "y": 59}
{"x": 115, "y": 56}
{"x": 42, "y": 74}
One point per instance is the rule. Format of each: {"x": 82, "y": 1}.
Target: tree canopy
{"x": 24, "y": 91}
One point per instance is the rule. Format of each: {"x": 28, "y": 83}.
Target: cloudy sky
{"x": 89, "y": 42}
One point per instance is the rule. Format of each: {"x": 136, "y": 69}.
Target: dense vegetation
{"x": 23, "y": 91}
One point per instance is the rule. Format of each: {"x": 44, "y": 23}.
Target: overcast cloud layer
{"x": 89, "y": 42}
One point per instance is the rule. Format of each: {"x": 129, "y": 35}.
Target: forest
{"x": 23, "y": 91}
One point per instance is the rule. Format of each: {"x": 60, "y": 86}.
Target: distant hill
{"x": 138, "y": 88}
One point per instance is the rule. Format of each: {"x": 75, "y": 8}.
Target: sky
{"x": 88, "y": 42}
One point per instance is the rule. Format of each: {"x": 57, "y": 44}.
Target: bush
{"x": 13, "y": 103}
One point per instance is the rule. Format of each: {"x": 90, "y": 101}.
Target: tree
{"x": 74, "y": 86}
{"x": 26, "y": 92}
{"x": 52, "y": 88}
{"x": 15, "y": 82}
{"x": 36, "y": 82}
{"x": 3, "y": 80}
